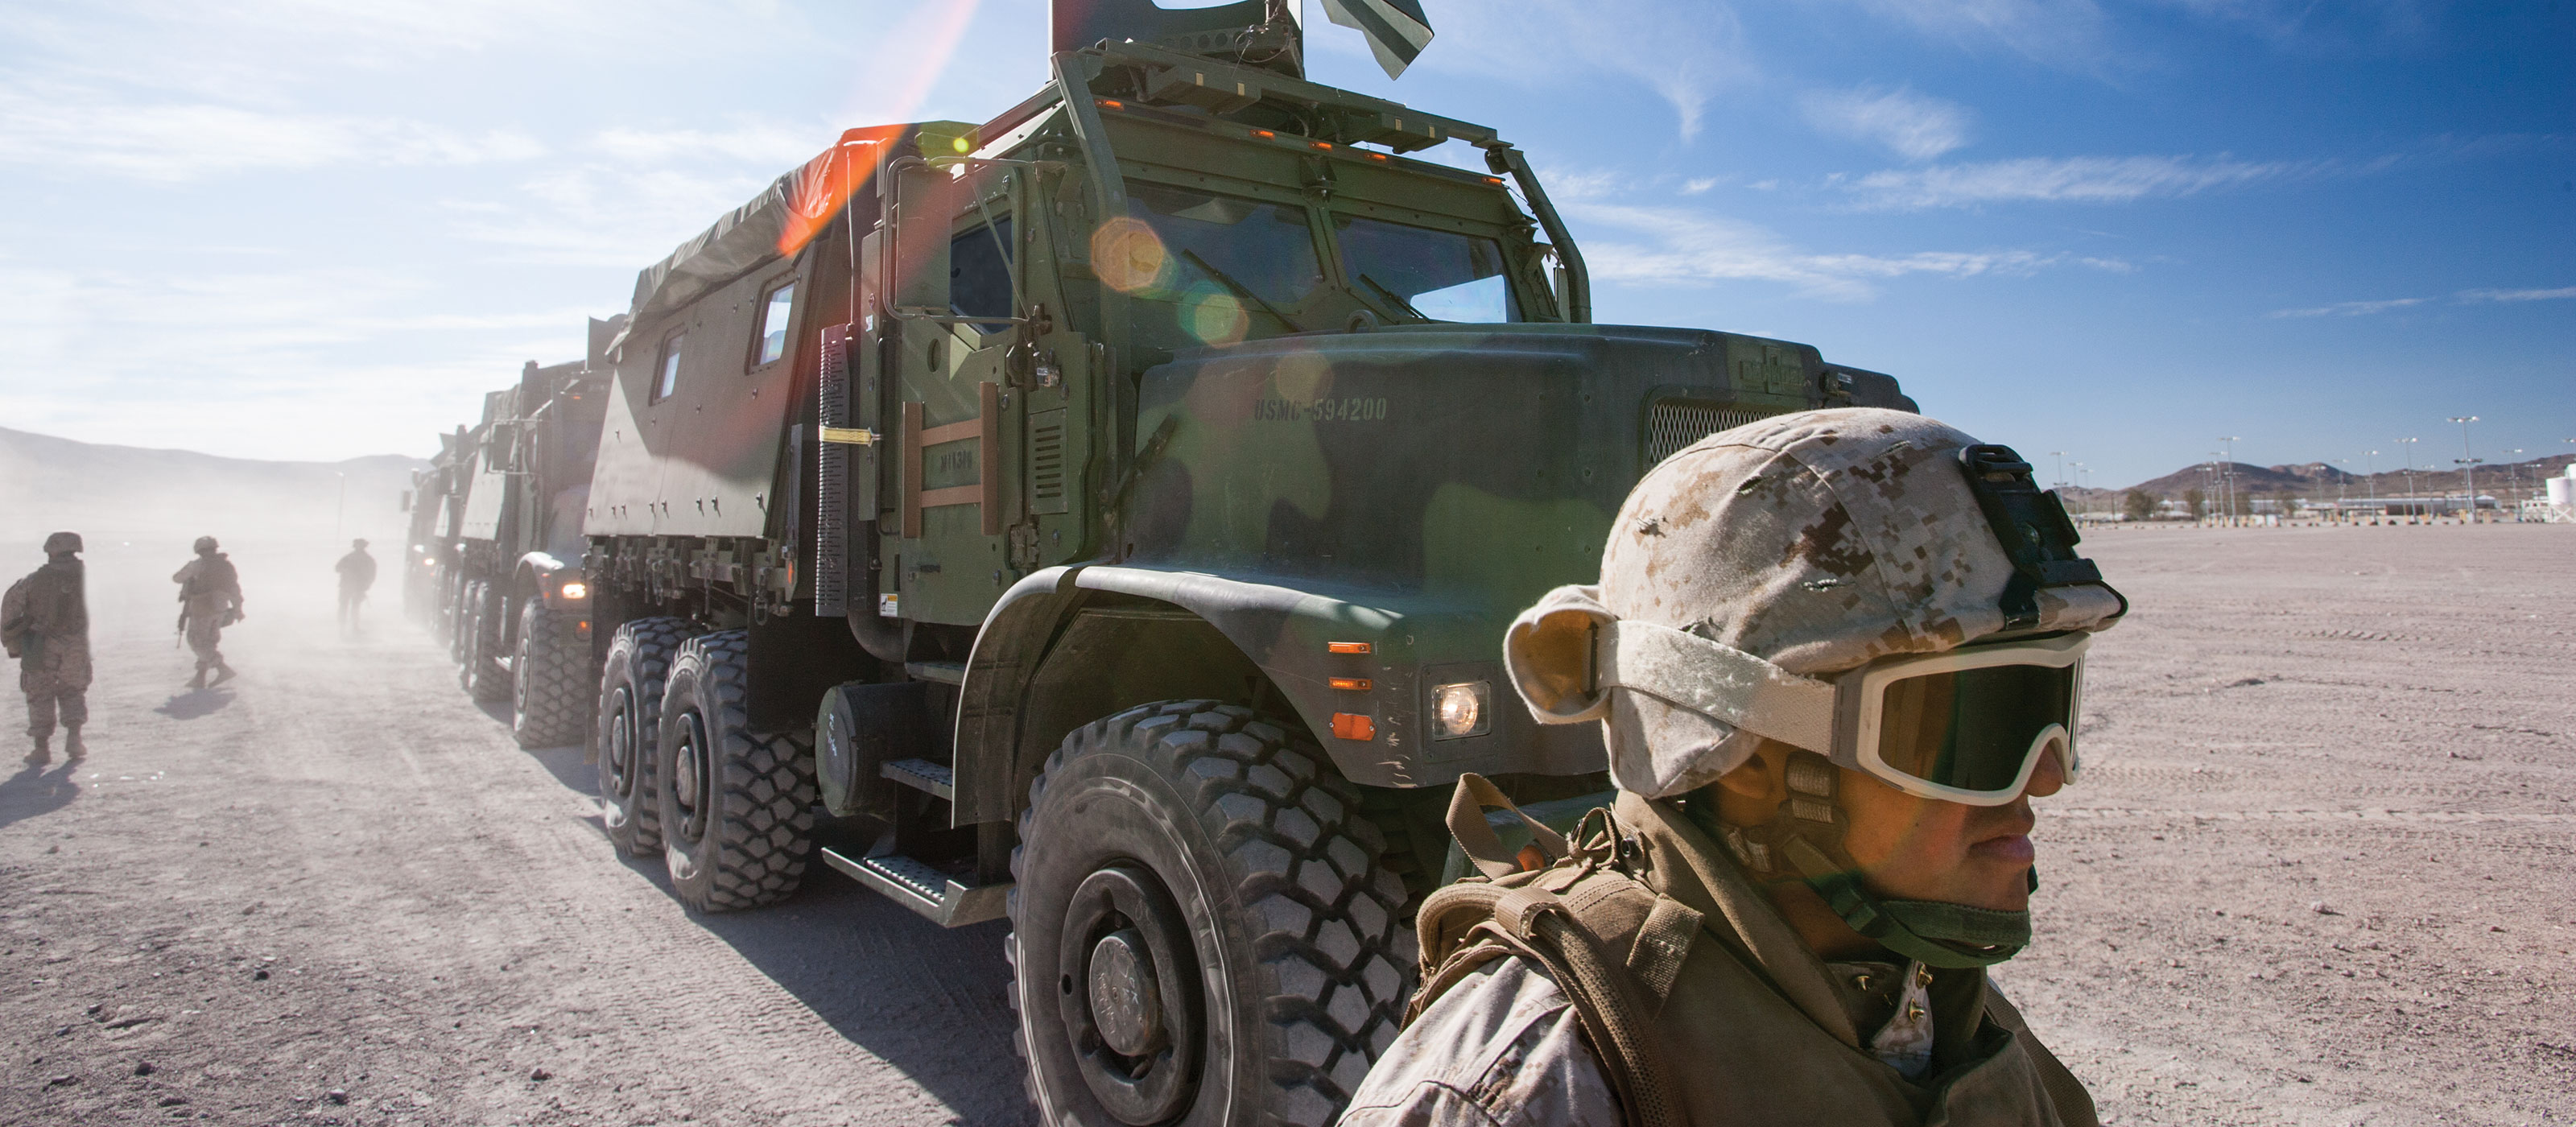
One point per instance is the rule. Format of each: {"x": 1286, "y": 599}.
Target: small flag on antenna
{"x": 1397, "y": 30}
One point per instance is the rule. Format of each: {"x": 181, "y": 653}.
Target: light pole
{"x": 2513, "y": 493}
{"x": 2407, "y": 447}
{"x": 2370, "y": 483}
{"x": 2227, "y": 475}
{"x": 2468, "y": 466}
{"x": 2343, "y": 477}
{"x": 2060, "y": 455}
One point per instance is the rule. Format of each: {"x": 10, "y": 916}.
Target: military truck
{"x": 430, "y": 529}
{"x": 1107, "y": 516}
{"x": 519, "y": 614}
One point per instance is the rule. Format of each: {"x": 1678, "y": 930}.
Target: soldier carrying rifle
{"x": 44, "y": 622}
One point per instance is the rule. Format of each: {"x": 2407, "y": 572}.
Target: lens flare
{"x": 1213, "y": 315}
{"x": 1129, "y": 256}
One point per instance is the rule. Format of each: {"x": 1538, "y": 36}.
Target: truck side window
{"x": 979, "y": 278}
{"x": 1441, "y": 275}
{"x": 666, "y": 374}
{"x": 773, "y": 323}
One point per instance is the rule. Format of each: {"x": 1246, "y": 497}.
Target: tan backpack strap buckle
{"x": 1476, "y": 836}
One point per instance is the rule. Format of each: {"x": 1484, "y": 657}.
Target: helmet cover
{"x": 62, "y": 542}
{"x": 1818, "y": 541}
{"x": 205, "y": 544}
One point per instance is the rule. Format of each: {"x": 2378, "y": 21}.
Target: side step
{"x": 937, "y": 896}
{"x": 923, "y": 775}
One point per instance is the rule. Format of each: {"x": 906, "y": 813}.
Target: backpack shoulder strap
{"x": 2074, "y": 1104}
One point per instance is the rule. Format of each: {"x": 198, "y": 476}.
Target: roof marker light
{"x": 1113, "y": 103}
{"x": 1323, "y": 144}
{"x": 1263, "y": 133}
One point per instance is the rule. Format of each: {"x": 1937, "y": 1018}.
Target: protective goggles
{"x": 1966, "y": 726}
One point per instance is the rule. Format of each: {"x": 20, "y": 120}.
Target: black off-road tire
{"x": 630, "y": 730}
{"x": 481, "y": 676}
{"x": 737, "y": 806}
{"x": 1256, "y": 842}
{"x": 549, "y": 692}
{"x": 452, "y": 607}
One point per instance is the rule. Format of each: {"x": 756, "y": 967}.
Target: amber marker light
{"x": 1113, "y": 103}
{"x": 1348, "y": 648}
{"x": 1377, "y": 156}
{"x": 1264, "y": 133}
{"x": 1354, "y": 684}
{"x": 1323, "y": 144}
{"x": 1353, "y": 726}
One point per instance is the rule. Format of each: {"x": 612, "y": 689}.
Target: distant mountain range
{"x": 2318, "y": 481}
{"x": 49, "y": 483}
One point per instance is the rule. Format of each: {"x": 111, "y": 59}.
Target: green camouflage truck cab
{"x": 1107, "y": 517}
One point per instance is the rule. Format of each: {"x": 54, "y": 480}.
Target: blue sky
{"x": 299, "y": 229}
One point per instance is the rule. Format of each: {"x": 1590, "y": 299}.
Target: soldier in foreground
{"x": 210, "y": 599}
{"x": 44, "y": 621}
{"x": 1835, "y": 654}
{"x": 357, "y": 573}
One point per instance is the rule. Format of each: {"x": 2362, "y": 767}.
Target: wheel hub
{"x": 1129, "y": 995}
{"x": 621, "y": 742}
{"x": 1126, "y": 1002}
{"x": 689, "y": 787}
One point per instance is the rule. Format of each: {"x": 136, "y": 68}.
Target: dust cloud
{"x": 283, "y": 523}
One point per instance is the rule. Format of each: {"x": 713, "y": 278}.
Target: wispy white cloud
{"x": 2463, "y": 297}
{"x": 2350, "y": 308}
{"x": 1698, "y": 47}
{"x": 1684, "y": 246}
{"x": 1700, "y": 184}
{"x": 2560, "y": 294}
{"x": 1913, "y": 126}
{"x": 2062, "y": 180}
{"x": 76, "y": 129}
{"x": 2066, "y": 34}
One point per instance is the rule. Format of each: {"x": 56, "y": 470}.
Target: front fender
{"x": 560, "y": 584}
{"x": 1411, "y": 642}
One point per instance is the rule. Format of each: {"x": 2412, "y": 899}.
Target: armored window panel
{"x": 979, "y": 277}
{"x": 666, "y": 374}
{"x": 1674, "y": 424}
{"x": 1441, "y": 275}
{"x": 774, "y": 311}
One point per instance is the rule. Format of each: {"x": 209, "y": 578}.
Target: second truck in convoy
{"x": 1107, "y": 516}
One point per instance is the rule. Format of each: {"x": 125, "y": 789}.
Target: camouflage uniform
{"x": 45, "y": 622}
{"x": 357, "y": 574}
{"x": 211, "y": 599}
{"x": 1818, "y": 541}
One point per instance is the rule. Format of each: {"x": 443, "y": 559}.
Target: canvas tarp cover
{"x": 743, "y": 239}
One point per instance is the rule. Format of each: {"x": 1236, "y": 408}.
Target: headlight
{"x": 1461, "y": 710}
{"x": 575, "y": 590}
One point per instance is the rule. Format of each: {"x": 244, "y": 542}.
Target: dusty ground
{"x": 2318, "y": 873}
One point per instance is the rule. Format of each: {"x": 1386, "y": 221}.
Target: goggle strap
{"x": 1727, "y": 684}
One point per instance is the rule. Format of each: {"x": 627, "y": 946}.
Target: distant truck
{"x": 517, "y": 609}
{"x": 431, "y": 531}
{"x": 1108, "y": 516}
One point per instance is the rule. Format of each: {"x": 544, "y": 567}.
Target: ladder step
{"x": 944, "y": 672}
{"x": 917, "y": 885}
{"x": 924, "y": 775}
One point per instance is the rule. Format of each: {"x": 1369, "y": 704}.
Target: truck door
{"x": 957, "y": 432}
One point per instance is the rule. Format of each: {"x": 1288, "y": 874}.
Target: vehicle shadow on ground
{"x": 928, "y": 1000}
{"x": 35, "y": 791}
{"x": 195, "y": 703}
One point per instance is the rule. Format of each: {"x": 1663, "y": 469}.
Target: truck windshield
{"x": 1439, "y": 275}
{"x": 1222, "y": 259}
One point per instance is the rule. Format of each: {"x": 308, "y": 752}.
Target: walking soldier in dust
{"x": 44, "y": 622}
{"x": 1834, "y": 653}
{"x": 357, "y": 573}
{"x": 210, "y": 599}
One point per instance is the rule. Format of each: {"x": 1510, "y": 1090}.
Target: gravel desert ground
{"x": 2317, "y": 871}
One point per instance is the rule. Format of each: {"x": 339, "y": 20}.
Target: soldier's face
{"x": 1914, "y": 848}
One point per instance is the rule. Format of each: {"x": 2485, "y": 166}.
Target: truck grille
{"x": 1672, "y": 425}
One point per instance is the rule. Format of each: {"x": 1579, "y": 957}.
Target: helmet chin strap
{"x": 1804, "y": 842}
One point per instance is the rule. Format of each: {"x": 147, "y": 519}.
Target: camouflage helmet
{"x": 1817, "y": 541}
{"x": 205, "y": 545}
{"x": 62, "y": 543}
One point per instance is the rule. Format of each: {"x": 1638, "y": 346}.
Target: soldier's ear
{"x": 1549, "y": 654}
